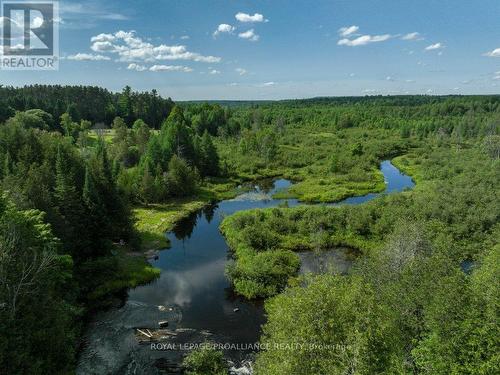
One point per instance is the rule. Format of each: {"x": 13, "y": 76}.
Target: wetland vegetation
{"x": 81, "y": 205}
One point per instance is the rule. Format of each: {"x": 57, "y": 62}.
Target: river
{"x": 194, "y": 295}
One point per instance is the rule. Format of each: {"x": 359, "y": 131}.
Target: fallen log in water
{"x": 144, "y": 335}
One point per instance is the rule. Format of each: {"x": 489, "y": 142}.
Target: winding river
{"x": 193, "y": 294}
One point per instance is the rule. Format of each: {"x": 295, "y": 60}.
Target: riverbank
{"x": 193, "y": 278}
{"x": 265, "y": 242}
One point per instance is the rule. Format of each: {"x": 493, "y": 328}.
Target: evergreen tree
{"x": 176, "y": 137}
{"x": 181, "y": 178}
{"x": 125, "y": 107}
{"x": 69, "y": 226}
{"x": 209, "y": 165}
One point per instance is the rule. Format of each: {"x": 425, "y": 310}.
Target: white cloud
{"x": 496, "y": 75}
{"x": 241, "y": 71}
{"x": 88, "y": 57}
{"x": 131, "y": 48}
{"x": 268, "y": 84}
{"x": 363, "y": 40}
{"x": 494, "y": 53}
{"x": 348, "y": 30}
{"x": 214, "y": 71}
{"x": 434, "y": 47}
{"x": 389, "y": 78}
{"x": 224, "y": 28}
{"x": 185, "y": 37}
{"x": 87, "y": 15}
{"x": 36, "y": 22}
{"x": 244, "y": 17}
{"x": 249, "y": 35}
{"x": 412, "y": 36}
{"x": 170, "y": 68}
{"x": 139, "y": 68}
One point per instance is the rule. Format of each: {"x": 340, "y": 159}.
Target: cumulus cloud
{"x": 214, "y": 71}
{"x": 494, "y": 53}
{"x": 412, "y": 36}
{"x": 241, "y": 71}
{"x": 434, "y": 47}
{"x": 244, "y": 17}
{"x": 363, "y": 40}
{"x": 88, "y": 57}
{"x": 130, "y": 48}
{"x": 268, "y": 84}
{"x": 137, "y": 67}
{"x": 224, "y": 28}
{"x": 348, "y": 30}
{"x": 249, "y": 35}
{"x": 496, "y": 76}
{"x": 170, "y": 68}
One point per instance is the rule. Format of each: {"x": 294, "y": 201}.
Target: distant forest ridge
{"x": 393, "y": 100}
{"x": 92, "y": 103}
{"x": 100, "y": 105}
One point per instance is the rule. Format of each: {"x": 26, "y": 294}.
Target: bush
{"x": 205, "y": 361}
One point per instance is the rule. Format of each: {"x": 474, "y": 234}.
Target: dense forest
{"x": 93, "y": 104}
{"x": 78, "y": 164}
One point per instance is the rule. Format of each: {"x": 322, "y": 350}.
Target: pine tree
{"x": 125, "y": 107}
{"x": 176, "y": 137}
{"x": 181, "y": 178}
{"x": 210, "y": 158}
{"x": 68, "y": 207}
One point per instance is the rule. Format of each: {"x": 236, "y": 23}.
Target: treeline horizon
{"x": 67, "y": 192}
{"x": 91, "y": 103}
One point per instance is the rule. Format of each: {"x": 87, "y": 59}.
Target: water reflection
{"x": 194, "y": 266}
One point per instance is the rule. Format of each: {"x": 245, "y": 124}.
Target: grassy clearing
{"x": 333, "y": 188}
{"x": 128, "y": 270}
{"x": 154, "y": 220}
{"x": 107, "y": 135}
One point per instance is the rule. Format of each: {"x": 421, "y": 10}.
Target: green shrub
{"x": 205, "y": 361}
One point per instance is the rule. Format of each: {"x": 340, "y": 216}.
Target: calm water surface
{"x": 193, "y": 285}
{"x": 193, "y": 268}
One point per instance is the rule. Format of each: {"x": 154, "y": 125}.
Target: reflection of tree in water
{"x": 266, "y": 185}
{"x": 209, "y": 212}
{"x": 185, "y": 227}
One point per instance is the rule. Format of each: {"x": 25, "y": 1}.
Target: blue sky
{"x": 278, "y": 49}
